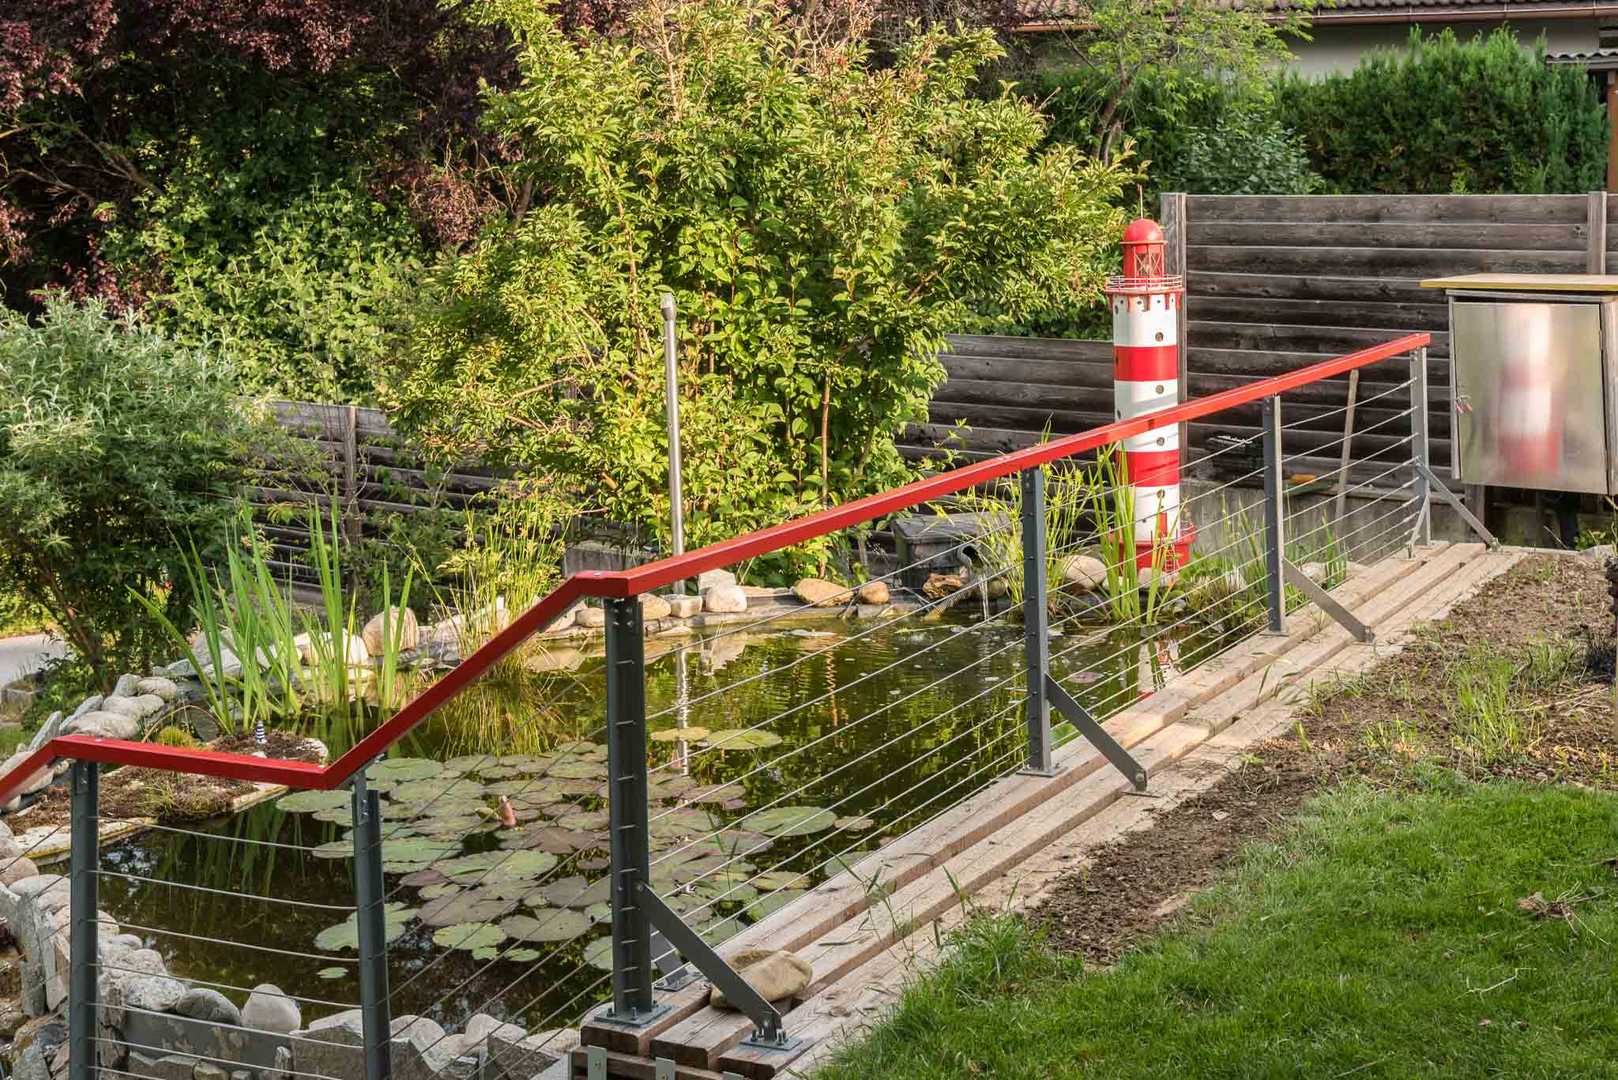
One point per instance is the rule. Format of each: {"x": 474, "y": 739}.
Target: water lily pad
{"x": 468, "y": 906}
{"x": 404, "y": 768}
{"x": 346, "y": 934}
{"x": 679, "y": 734}
{"x": 771, "y": 880}
{"x": 469, "y": 936}
{"x": 773, "y": 902}
{"x": 421, "y": 851}
{"x": 599, "y": 913}
{"x": 547, "y": 838}
{"x": 421, "y": 878}
{"x": 855, "y": 824}
{"x": 791, "y": 820}
{"x": 578, "y": 770}
{"x": 721, "y": 930}
{"x": 309, "y": 802}
{"x": 714, "y": 793}
{"x": 734, "y": 739}
{"x": 575, "y": 892}
{"x": 334, "y": 849}
{"x": 436, "y": 790}
{"x": 584, "y": 820}
{"x": 598, "y": 954}
{"x": 336, "y": 815}
{"x": 522, "y": 956}
{"x": 496, "y": 866}
{"x": 443, "y": 888}
{"x": 332, "y": 972}
{"x": 684, "y": 821}
{"x": 552, "y": 924}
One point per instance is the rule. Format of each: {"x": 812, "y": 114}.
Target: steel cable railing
{"x": 816, "y": 750}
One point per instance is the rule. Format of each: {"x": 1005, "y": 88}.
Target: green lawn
{"x": 1382, "y": 937}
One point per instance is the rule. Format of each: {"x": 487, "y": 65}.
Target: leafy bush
{"x": 1444, "y": 115}
{"x": 1245, "y": 152}
{"x": 113, "y": 441}
{"x": 822, "y": 223}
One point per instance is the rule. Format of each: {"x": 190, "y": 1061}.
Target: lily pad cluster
{"x": 506, "y": 856}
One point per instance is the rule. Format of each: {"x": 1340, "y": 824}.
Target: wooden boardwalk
{"x": 865, "y": 930}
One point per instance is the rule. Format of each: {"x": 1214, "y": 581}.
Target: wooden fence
{"x": 1273, "y": 283}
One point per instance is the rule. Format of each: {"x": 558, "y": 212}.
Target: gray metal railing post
{"x": 1274, "y": 517}
{"x": 632, "y": 1001}
{"x": 84, "y": 939}
{"x": 1420, "y": 447}
{"x": 1036, "y": 618}
{"x": 370, "y": 914}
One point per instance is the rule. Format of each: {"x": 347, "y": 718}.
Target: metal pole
{"x": 83, "y": 864}
{"x": 1420, "y": 447}
{"x": 371, "y": 915}
{"x": 1035, "y": 618}
{"x": 1274, "y": 516}
{"x": 671, "y": 392}
{"x": 627, "y": 812}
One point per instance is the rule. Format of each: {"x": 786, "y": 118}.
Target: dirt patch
{"x": 1534, "y": 649}
{"x": 171, "y": 798}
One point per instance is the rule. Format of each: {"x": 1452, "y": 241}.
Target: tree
{"x": 1180, "y": 45}
{"x": 116, "y": 446}
{"x": 822, "y": 223}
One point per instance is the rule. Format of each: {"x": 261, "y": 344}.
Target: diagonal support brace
{"x": 768, "y": 1031}
{"x": 1437, "y": 486}
{"x": 667, "y": 961}
{"x": 1077, "y": 715}
{"x": 1326, "y": 602}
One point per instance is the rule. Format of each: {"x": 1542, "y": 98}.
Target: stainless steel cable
{"x": 221, "y": 892}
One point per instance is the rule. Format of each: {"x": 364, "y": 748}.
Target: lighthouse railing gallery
{"x": 681, "y": 878}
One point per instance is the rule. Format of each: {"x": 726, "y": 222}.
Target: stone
{"x": 38, "y": 781}
{"x": 818, "y": 592}
{"x": 1316, "y": 572}
{"x": 1084, "y": 572}
{"x": 18, "y": 868}
{"x": 229, "y": 667}
{"x": 140, "y": 706}
{"x": 125, "y": 686}
{"x": 708, "y": 579}
{"x": 207, "y": 1070}
{"x": 565, "y": 620}
{"x": 512, "y": 1054}
{"x": 269, "y": 1009}
{"x": 938, "y": 586}
{"x": 592, "y": 618}
{"x": 47, "y": 731}
{"x": 151, "y": 1066}
{"x": 89, "y": 704}
{"x": 774, "y": 973}
{"x": 159, "y": 687}
{"x": 144, "y": 993}
{"x": 684, "y": 607}
{"x": 724, "y": 599}
{"x": 181, "y": 669}
{"x": 405, "y": 629}
{"x": 101, "y": 725}
{"x": 553, "y": 658}
{"x": 874, "y": 592}
{"x": 653, "y": 606}
{"x": 201, "y": 1003}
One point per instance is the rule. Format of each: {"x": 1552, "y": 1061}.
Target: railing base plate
{"x": 628, "y": 1023}
{"x": 1045, "y": 774}
{"x": 792, "y": 1045}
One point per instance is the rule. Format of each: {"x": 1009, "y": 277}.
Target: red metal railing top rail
{"x": 643, "y": 579}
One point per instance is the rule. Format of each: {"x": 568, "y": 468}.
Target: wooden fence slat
{"x": 1030, "y": 348}
{"x": 1388, "y": 315}
{"x": 1327, "y": 340}
{"x": 1402, "y": 262}
{"x": 1499, "y": 209}
{"x": 1449, "y": 235}
{"x": 1321, "y": 283}
{"x": 1086, "y": 373}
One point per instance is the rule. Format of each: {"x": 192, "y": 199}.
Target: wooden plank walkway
{"x": 865, "y": 929}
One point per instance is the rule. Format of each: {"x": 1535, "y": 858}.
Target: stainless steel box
{"x": 1532, "y": 390}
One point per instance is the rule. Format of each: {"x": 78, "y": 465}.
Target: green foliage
{"x": 822, "y": 224}
{"x": 1247, "y": 151}
{"x": 261, "y": 239}
{"x": 113, "y": 439}
{"x": 1384, "y": 929}
{"x": 175, "y": 736}
{"x": 1443, "y": 115}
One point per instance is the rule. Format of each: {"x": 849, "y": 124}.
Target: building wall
{"x": 1338, "y": 47}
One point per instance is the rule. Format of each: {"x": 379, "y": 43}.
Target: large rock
{"x": 683, "y": 607}
{"x": 874, "y": 592}
{"x": 1084, "y": 572}
{"x": 724, "y": 599}
{"x": 158, "y": 686}
{"x": 125, "y": 686}
{"x": 591, "y": 618}
{"x": 47, "y": 731}
{"x": 349, "y": 648}
{"x": 103, "y": 725}
{"x": 513, "y": 1054}
{"x": 405, "y": 629}
{"x": 817, "y": 592}
{"x": 37, "y": 781}
{"x": 16, "y": 868}
{"x": 201, "y": 1003}
{"x": 653, "y": 606}
{"x": 774, "y": 973}
{"x": 565, "y": 620}
{"x": 709, "y": 579}
{"x": 269, "y": 1009}
{"x": 142, "y": 993}
{"x": 139, "y": 707}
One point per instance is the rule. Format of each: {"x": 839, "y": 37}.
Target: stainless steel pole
{"x": 1420, "y": 446}
{"x": 84, "y": 859}
{"x": 370, "y": 917}
{"x": 671, "y": 391}
{"x": 628, "y": 813}
{"x": 1275, "y": 544}
{"x": 1036, "y": 632}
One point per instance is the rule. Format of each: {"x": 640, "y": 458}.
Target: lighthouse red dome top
{"x": 1144, "y": 269}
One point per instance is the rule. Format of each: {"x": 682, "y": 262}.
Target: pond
{"x": 774, "y": 757}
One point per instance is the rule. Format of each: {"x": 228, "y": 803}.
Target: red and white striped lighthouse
{"x": 1146, "y": 377}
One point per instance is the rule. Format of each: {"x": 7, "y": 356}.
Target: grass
{"x": 1382, "y": 936}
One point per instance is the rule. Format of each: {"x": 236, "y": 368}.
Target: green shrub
{"x": 1246, "y": 151}
{"x": 113, "y": 441}
{"x": 823, "y": 222}
{"x": 1443, "y": 115}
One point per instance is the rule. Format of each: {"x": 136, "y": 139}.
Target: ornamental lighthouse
{"x": 1146, "y": 377}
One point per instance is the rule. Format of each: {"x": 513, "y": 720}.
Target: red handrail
{"x": 643, "y": 579}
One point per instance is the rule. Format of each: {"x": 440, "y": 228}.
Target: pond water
{"x": 853, "y": 734}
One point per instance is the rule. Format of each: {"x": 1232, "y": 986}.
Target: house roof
{"x": 1594, "y": 60}
{"x": 1067, "y": 14}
